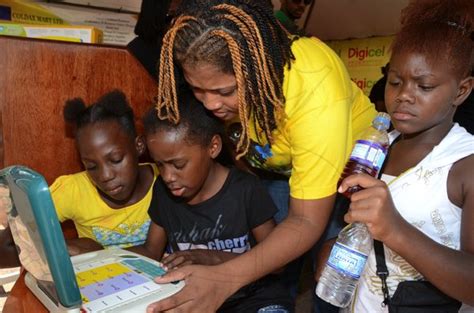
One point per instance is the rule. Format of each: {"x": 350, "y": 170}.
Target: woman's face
{"x": 215, "y": 89}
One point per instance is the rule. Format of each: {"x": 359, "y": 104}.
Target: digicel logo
{"x": 361, "y": 54}
{"x": 364, "y": 83}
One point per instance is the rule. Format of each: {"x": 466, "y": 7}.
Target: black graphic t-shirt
{"x": 223, "y": 222}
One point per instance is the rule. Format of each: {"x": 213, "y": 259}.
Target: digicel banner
{"x": 364, "y": 58}
{"x": 362, "y": 54}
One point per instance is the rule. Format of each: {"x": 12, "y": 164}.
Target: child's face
{"x": 185, "y": 168}
{"x": 420, "y": 94}
{"x": 110, "y": 157}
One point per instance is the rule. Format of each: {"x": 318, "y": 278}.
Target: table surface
{"x": 22, "y": 300}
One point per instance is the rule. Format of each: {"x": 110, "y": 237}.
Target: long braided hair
{"x": 239, "y": 37}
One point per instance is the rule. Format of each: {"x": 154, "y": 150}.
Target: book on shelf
{"x": 82, "y": 34}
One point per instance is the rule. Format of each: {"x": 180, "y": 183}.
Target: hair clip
{"x": 456, "y": 25}
{"x": 463, "y": 28}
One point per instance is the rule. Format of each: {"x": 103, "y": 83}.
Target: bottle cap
{"x": 382, "y": 119}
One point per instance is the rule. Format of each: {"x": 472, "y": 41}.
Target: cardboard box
{"x": 85, "y": 34}
{"x": 117, "y": 27}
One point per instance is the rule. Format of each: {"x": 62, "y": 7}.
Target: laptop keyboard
{"x": 142, "y": 266}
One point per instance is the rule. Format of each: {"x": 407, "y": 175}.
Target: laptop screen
{"x": 38, "y": 235}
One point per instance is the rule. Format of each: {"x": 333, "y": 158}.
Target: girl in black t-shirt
{"x": 203, "y": 212}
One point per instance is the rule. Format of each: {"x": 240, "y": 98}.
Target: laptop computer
{"x": 101, "y": 281}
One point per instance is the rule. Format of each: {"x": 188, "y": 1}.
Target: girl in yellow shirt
{"x": 107, "y": 202}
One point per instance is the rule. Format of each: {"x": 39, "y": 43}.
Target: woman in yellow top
{"x": 299, "y": 114}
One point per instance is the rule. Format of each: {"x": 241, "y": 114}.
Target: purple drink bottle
{"x": 349, "y": 254}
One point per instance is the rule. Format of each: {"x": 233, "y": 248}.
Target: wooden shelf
{"x": 37, "y": 77}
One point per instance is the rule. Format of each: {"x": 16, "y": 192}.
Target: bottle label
{"x": 346, "y": 260}
{"x": 369, "y": 153}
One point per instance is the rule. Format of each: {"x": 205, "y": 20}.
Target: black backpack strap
{"x": 382, "y": 270}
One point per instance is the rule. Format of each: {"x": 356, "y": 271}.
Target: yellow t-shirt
{"x": 76, "y": 198}
{"x": 325, "y": 113}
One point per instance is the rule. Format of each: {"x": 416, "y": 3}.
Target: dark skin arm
{"x": 213, "y": 257}
{"x": 291, "y": 238}
{"x": 374, "y": 207}
{"x": 322, "y": 257}
{"x": 77, "y": 246}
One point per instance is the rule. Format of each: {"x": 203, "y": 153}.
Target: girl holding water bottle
{"x": 422, "y": 209}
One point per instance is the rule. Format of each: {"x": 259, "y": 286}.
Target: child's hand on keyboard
{"x": 196, "y": 256}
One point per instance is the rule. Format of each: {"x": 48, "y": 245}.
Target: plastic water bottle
{"x": 349, "y": 254}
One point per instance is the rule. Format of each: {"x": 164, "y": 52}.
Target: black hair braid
{"x": 248, "y": 58}
{"x": 278, "y": 35}
{"x": 278, "y": 62}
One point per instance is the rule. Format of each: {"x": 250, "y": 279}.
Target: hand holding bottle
{"x": 373, "y": 206}
{"x": 349, "y": 254}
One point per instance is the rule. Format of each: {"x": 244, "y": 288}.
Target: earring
{"x": 140, "y": 144}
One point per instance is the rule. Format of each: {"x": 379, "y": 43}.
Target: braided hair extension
{"x": 239, "y": 37}
{"x": 439, "y": 29}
